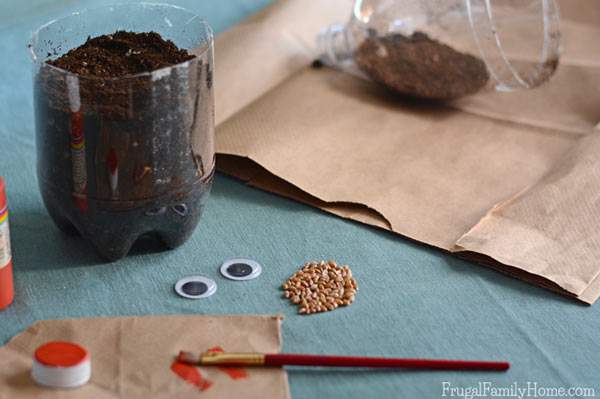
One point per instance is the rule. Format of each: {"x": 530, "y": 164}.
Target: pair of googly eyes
{"x": 198, "y": 287}
{"x": 180, "y": 209}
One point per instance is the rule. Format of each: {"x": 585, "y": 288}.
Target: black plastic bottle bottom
{"x": 112, "y": 227}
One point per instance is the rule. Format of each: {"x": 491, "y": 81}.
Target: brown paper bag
{"x": 132, "y": 357}
{"x": 551, "y": 228}
{"x": 430, "y": 173}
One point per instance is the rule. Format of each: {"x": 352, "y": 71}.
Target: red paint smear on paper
{"x": 191, "y": 375}
{"x": 235, "y": 373}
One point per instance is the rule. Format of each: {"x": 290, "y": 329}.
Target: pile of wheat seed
{"x": 321, "y": 287}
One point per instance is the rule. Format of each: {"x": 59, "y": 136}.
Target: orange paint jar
{"x": 6, "y": 274}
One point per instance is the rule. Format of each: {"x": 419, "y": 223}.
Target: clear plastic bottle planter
{"x": 516, "y": 42}
{"x": 124, "y": 157}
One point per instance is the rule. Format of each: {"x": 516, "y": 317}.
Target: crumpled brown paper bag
{"x": 132, "y": 356}
{"x": 440, "y": 175}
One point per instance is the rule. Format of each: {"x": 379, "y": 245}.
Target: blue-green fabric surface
{"x": 413, "y": 301}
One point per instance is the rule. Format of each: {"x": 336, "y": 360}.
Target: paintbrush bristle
{"x": 188, "y": 357}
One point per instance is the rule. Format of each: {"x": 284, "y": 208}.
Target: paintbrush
{"x": 224, "y": 359}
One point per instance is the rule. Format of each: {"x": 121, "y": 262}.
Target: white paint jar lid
{"x": 61, "y": 364}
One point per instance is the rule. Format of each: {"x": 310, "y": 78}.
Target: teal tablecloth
{"x": 413, "y": 301}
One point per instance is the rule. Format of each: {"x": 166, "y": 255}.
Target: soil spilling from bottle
{"x": 125, "y": 143}
{"x": 419, "y": 66}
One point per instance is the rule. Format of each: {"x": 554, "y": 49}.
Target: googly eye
{"x": 240, "y": 269}
{"x": 180, "y": 209}
{"x": 195, "y": 287}
{"x": 156, "y": 211}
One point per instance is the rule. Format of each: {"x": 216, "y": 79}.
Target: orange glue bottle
{"x": 6, "y": 275}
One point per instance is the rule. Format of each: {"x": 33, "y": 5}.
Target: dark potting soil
{"x": 123, "y": 158}
{"x": 120, "y": 54}
{"x": 419, "y": 66}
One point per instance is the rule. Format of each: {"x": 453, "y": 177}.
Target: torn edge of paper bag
{"x": 255, "y": 175}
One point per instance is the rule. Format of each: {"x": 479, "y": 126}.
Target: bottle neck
{"x": 336, "y": 45}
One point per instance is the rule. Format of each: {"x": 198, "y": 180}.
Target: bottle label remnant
{"x": 5, "y": 254}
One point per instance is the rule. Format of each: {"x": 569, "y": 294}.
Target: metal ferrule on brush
{"x": 212, "y": 358}
{"x": 246, "y": 359}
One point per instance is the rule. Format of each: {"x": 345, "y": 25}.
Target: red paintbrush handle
{"x": 357, "y": 361}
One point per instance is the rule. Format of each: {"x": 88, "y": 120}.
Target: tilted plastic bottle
{"x": 517, "y": 44}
